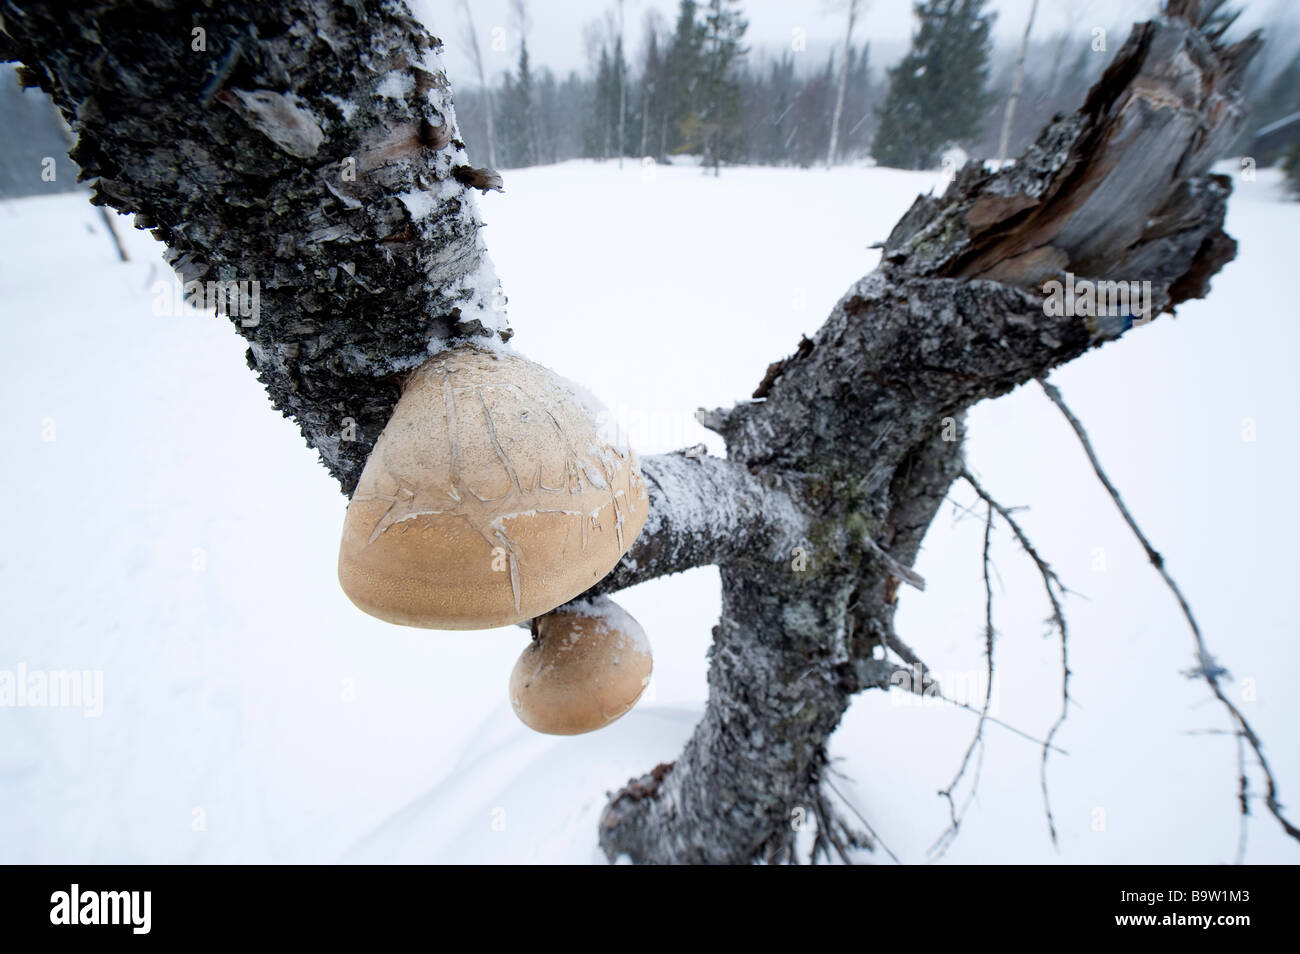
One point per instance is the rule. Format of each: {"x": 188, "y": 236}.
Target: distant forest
{"x": 695, "y": 88}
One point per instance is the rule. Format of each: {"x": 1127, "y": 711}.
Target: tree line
{"x": 695, "y": 88}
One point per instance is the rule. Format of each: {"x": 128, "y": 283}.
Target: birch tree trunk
{"x": 476, "y": 52}
{"x": 1017, "y": 85}
{"x": 310, "y": 147}
{"x": 235, "y": 155}
{"x": 843, "y": 84}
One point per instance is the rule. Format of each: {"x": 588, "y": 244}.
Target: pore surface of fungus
{"x": 490, "y": 498}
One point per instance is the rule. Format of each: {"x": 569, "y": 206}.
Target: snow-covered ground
{"x": 164, "y": 527}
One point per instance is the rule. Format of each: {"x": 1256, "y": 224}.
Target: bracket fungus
{"x": 587, "y": 665}
{"x": 489, "y": 499}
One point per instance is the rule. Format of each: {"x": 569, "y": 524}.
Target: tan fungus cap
{"x": 489, "y": 499}
{"x": 587, "y": 665}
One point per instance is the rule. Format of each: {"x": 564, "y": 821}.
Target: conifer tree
{"x": 937, "y": 92}
{"x": 681, "y": 77}
{"x": 713, "y": 126}
{"x": 518, "y": 131}
{"x": 651, "y": 91}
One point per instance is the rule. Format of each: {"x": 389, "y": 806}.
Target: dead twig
{"x": 1206, "y": 667}
{"x": 865, "y": 824}
{"x": 1243, "y": 797}
{"x": 1056, "y": 590}
{"x": 955, "y": 816}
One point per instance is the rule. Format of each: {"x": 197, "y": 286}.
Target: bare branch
{"x": 903, "y": 651}
{"x": 1051, "y": 583}
{"x": 955, "y": 816}
{"x": 904, "y": 573}
{"x": 704, "y": 511}
{"x": 994, "y": 720}
{"x": 1206, "y": 668}
{"x": 865, "y": 824}
{"x": 1243, "y": 796}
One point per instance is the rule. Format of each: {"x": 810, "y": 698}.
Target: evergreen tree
{"x": 682, "y": 71}
{"x": 937, "y": 92}
{"x": 1282, "y": 98}
{"x": 763, "y": 102}
{"x": 518, "y": 143}
{"x": 571, "y": 112}
{"x": 777, "y": 133}
{"x": 855, "y": 136}
{"x": 545, "y": 113}
{"x": 813, "y": 108}
{"x": 713, "y": 125}
{"x": 598, "y": 136}
{"x": 651, "y": 92}
{"x": 618, "y": 102}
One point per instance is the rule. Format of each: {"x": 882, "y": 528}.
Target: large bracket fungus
{"x": 490, "y": 498}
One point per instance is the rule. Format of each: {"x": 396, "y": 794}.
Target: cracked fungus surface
{"x": 489, "y": 498}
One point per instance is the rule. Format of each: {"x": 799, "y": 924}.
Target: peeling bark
{"x": 311, "y": 147}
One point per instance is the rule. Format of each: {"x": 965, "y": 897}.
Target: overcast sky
{"x": 556, "y": 30}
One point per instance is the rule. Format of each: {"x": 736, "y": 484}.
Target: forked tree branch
{"x": 1120, "y": 191}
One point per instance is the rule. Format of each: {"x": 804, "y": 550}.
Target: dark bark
{"x": 311, "y": 147}
{"x": 836, "y": 468}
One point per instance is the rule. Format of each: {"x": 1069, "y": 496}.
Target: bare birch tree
{"x": 1017, "y": 85}
{"x": 843, "y": 84}
{"x": 476, "y": 54}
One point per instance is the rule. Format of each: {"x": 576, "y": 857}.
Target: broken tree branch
{"x": 954, "y": 315}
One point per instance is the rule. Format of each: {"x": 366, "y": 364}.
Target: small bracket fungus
{"x": 490, "y": 498}
{"x": 587, "y": 665}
